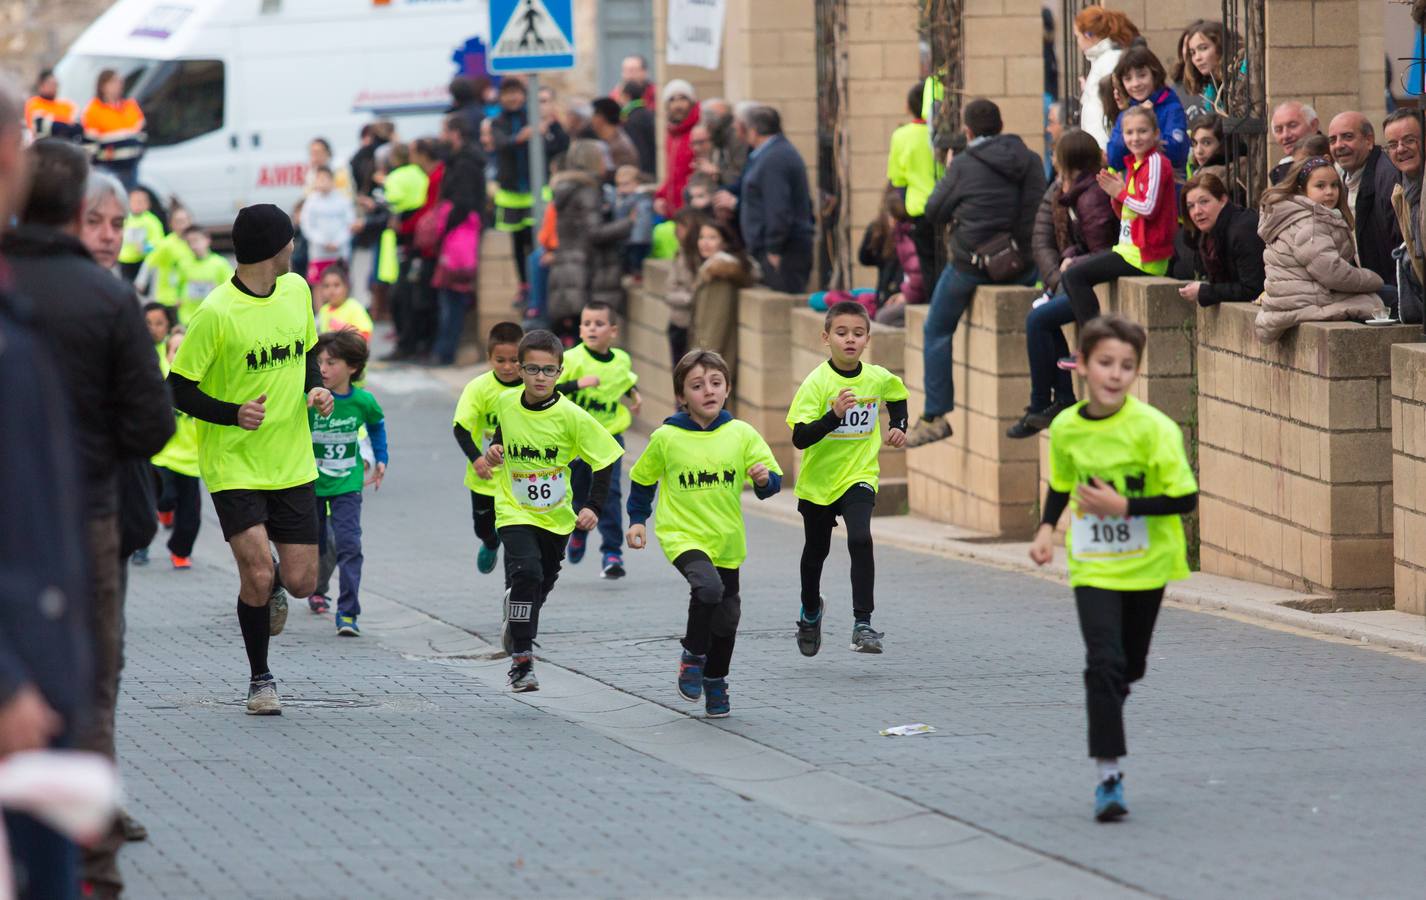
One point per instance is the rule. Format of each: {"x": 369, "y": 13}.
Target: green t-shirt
{"x": 238, "y": 348}
{"x": 475, "y": 412}
{"x": 335, "y": 441}
{"x": 911, "y": 164}
{"x": 142, "y": 233}
{"x": 180, "y": 454}
{"x": 350, "y": 314}
{"x": 665, "y": 241}
{"x": 700, "y": 476}
{"x": 533, "y": 482}
{"x": 1139, "y": 451}
{"x": 167, "y": 257}
{"x": 199, "y": 277}
{"x": 847, "y": 456}
{"x": 616, "y": 377}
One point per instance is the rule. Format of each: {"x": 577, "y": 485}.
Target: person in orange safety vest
{"x": 48, "y": 116}
{"x": 114, "y": 129}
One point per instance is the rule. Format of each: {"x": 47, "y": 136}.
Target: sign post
{"x": 530, "y": 37}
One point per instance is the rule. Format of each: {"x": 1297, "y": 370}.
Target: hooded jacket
{"x": 1071, "y": 223}
{"x": 1173, "y": 131}
{"x": 641, "y": 496}
{"x": 992, "y": 187}
{"x": 587, "y": 265}
{"x": 678, "y": 146}
{"x": 1103, "y": 57}
{"x": 1311, "y": 273}
{"x": 1240, "y": 252}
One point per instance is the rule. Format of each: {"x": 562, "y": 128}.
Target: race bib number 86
{"x": 540, "y": 490}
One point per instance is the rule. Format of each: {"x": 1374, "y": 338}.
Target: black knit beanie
{"x": 260, "y": 232}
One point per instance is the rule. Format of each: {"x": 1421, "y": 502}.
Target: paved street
{"x": 1263, "y": 763}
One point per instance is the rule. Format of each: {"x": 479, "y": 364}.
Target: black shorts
{"x": 289, "y": 514}
{"x": 861, "y": 492}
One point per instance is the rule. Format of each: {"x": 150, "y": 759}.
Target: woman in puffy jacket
{"x": 1312, "y": 274}
{"x": 589, "y": 264}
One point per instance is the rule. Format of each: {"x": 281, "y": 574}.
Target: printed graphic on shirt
{"x": 693, "y": 481}
{"x": 276, "y": 354}
{"x": 531, "y": 454}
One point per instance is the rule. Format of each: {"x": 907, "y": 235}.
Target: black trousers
{"x": 714, "y": 608}
{"x": 183, "y": 496}
{"x": 795, "y": 267}
{"x": 482, "y": 513}
{"x": 413, "y": 306}
{"x": 854, "y": 507}
{"x": 532, "y": 565}
{"x": 1078, "y": 281}
{"x": 1117, "y": 627}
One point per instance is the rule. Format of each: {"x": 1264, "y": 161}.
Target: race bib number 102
{"x": 858, "y": 421}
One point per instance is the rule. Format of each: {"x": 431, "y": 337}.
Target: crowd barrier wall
{"x": 1408, "y": 459}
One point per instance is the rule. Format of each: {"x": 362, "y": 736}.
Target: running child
{"x": 1125, "y": 464}
{"x": 538, "y": 432}
{"x": 342, "y": 356}
{"x": 160, "y": 321}
{"x": 337, "y": 309}
{"x": 834, "y": 419}
{"x": 200, "y": 273}
{"x": 180, "y": 501}
{"x": 142, "y": 232}
{"x": 159, "y": 276}
{"x": 702, "y": 455}
{"x": 600, "y": 379}
{"x": 475, "y": 425}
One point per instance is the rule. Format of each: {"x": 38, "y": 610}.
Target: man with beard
{"x": 729, "y": 152}
{"x": 681, "y": 108}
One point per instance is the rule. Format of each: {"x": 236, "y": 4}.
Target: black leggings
{"x": 482, "y": 513}
{"x": 532, "y": 565}
{"x": 524, "y": 245}
{"x": 181, "y": 495}
{"x": 855, "y": 508}
{"x": 1117, "y": 627}
{"x": 1078, "y": 281}
{"x": 714, "y": 608}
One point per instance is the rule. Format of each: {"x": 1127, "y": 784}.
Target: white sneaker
{"x": 262, "y": 698}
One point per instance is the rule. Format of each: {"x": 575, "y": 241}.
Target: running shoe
{"x": 507, "y": 637}
{"x": 690, "y": 676}
{"x": 1109, "y": 800}
{"x": 522, "y": 674}
{"x": 715, "y": 698}
{"x": 577, "y": 544}
{"x": 347, "y": 626}
{"x": 1035, "y": 421}
{"x": 809, "y": 635}
{"x": 132, "y": 828}
{"x": 485, "y": 559}
{"x": 928, "y": 431}
{"x": 166, "y": 519}
{"x": 140, "y": 557}
{"x": 1066, "y": 364}
{"x": 319, "y": 604}
{"x": 262, "y": 697}
{"x": 613, "y": 566}
{"x": 277, "y": 612}
{"x": 865, "y": 640}
{"x": 180, "y": 562}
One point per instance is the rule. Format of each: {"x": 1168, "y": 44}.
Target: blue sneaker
{"x": 715, "y": 698}
{"x": 690, "y": 676}
{"x": 577, "y": 543}
{"x": 1109, "y": 800}
{"x": 347, "y": 626}
{"x": 485, "y": 559}
{"x": 613, "y": 566}
{"x": 140, "y": 557}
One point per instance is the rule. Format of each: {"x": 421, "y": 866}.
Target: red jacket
{"x": 1150, "y": 192}
{"x": 433, "y": 193}
{"x": 679, "y": 160}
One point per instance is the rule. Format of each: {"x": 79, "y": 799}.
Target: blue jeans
{"x": 611, "y": 517}
{"x": 450, "y": 324}
{"x": 1045, "y": 345}
{"x": 46, "y": 862}
{"x": 538, "y": 277}
{"x": 949, "y": 301}
{"x": 342, "y": 514}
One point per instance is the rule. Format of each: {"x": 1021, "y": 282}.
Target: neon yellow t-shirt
{"x": 200, "y": 278}
{"x": 238, "y": 348}
{"x": 1139, "y": 451}
{"x": 348, "y": 315}
{"x": 911, "y": 164}
{"x": 533, "y": 485}
{"x": 180, "y": 454}
{"x": 475, "y": 412}
{"x": 700, "y": 476}
{"x": 142, "y": 233}
{"x": 616, "y": 377}
{"x": 847, "y": 456}
{"x": 1126, "y": 248}
{"x": 167, "y": 257}
{"x": 665, "y": 241}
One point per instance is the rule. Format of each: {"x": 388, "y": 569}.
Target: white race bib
{"x": 1126, "y": 230}
{"x": 1109, "y": 537}
{"x": 136, "y": 236}
{"x": 199, "y": 290}
{"x": 859, "y": 421}
{"x": 541, "y": 490}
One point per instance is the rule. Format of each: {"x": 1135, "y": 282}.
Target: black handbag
{"x": 1000, "y": 258}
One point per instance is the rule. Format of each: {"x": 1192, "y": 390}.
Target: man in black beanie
{"x": 247, "y": 372}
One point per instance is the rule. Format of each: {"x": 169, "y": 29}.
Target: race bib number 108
{"x": 1110, "y": 537}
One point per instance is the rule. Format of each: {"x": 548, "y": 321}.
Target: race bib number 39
{"x": 540, "y": 490}
{"x": 1113, "y": 537}
{"x": 860, "y": 420}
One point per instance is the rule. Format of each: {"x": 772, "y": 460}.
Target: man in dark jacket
{"x": 1369, "y": 178}
{"x": 92, "y": 324}
{"x": 774, "y": 203}
{"x": 640, "y": 124}
{"x": 990, "y": 189}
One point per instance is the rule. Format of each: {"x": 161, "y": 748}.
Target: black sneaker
{"x": 866, "y": 640}
{"x": 1034, "y": 422}
{"x": 522, "y": 674}
{"x": 809, "y": 635}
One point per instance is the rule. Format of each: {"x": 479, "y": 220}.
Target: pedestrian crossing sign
{"x": 531, "y": 36}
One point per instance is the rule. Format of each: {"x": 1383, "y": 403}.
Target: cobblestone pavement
{"x": 1263, "y": 763}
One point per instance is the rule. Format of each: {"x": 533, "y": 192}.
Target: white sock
{"x": 1108, "y": 768}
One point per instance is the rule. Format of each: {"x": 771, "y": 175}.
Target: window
{"x": 182, "y": 100}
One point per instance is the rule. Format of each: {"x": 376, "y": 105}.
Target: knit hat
{"x": 260, "y": 232}
{"x": 678, "y": 88}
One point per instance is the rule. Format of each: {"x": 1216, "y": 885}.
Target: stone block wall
{"x": 1408, "y": 445}
{"x": 765, "y": 382}
{"x": 496, "y": 290}
{"x": 1295, "y": 455}
{"x": 1004, "y": 62}
{"x": 979, "y": 478}
{"x": 1328, "y": 53}
{"x": 644, "y": 334}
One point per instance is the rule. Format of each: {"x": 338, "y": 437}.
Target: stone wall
{"x": 1408, "y": 444}
{"x": 1005, "y": 63}
{"x": 1328, "y": 53}
{"x": 764, "y": 383}
{"x": 644, "y": 333}
{"x": 35, "y": 33}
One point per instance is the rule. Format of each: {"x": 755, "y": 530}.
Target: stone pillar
{"x": 1328, "y": 53}
{"x": 764, "y": 383}
{"x": 770, "y": 55}
{"x": 645, "y": 335}
{"x": 1004, "y": 62}
{"x": 1408, "y": 444}
{"x": 1295, "y": 455}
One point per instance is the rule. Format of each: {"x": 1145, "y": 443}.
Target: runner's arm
{"x": 187, "y": 398}
{"x": 314, "y": 374}
{"x": 376, "y": 431}
{"x": 805, "y": 434}
{"x": 896, "y": 409}
{"x": 774, "y": 484}
{"x": 1055, "y": 503}
{"x": 1163, "y": 505}
{"x": 641, "y": 502}
{"x": 599, "y": 489}
{"x": 468, "y": 446}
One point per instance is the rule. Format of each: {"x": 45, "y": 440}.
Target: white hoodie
{"x": 327, "y": 219}
{"x": 1103, "y": 57}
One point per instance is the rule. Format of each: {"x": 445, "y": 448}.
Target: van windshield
{"x": 181, "y": 99}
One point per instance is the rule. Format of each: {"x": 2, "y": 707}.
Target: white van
{"x": 234, "y": 90}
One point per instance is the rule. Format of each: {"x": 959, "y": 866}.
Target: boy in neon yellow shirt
{"x": 159, "y": 273}
{"x": 538, "y": 432}
{"x": 1125, "y": 463}
{"x": 142, "y": 232}
{"x": 835, "y": 421}
{"x": 702, "y": 455}
{"x": 200, "y": 274}
{"x": 474, "y": 427}
{"x": 600, "y": 379}
{"x": 180, "y": 505}
{"x": 337, "y": 310}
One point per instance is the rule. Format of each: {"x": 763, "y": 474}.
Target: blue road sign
{"x": 531, "y": 36}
